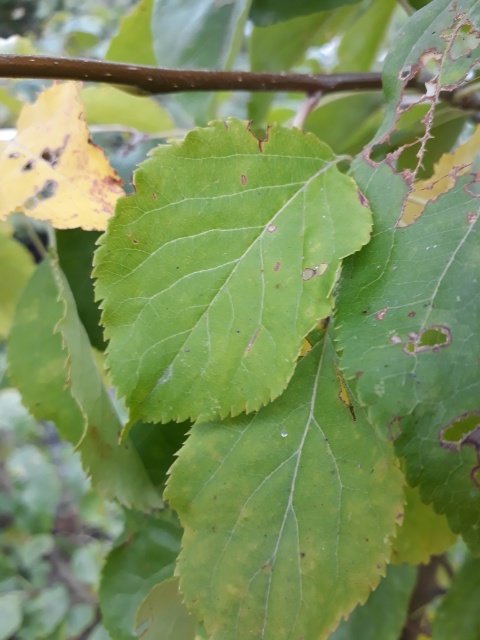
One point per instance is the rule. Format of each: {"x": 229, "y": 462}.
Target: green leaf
{"x": 10, "y": 614}
{"x": 265, "y": 12}
{"x": 16, "y": 267}
{"x": 279, "y": 46}
{"x": 438, "y": 39}
{"x": 458, "y": 616}
{"x": 346, "y": 122}
{"x": 447, "y": 124}
{"x": 423, "y": 533}
{"x": 144, "y": 557}
{"x": 385, "y": 612}
{"x": 75, "y": 249}
{"x": 157, "y": 446}
{"x": 134, "y": 40}
{"x": 51, "y": 362}
{"x": 407, "y": 318}
{"x": 361, "y": 42}
{"x": 44, "y": 612}
{"x": 163, "y": 615}
{"x": 288, "y": 514}
{"x": 198, "y": 33}
{"x": 37, "y": 488}
{"x": 107, "y": 105}
{"x": 36, "y": 357}
{"x": 219, "y": 265}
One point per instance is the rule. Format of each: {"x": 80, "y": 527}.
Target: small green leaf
{"x": 458, "y": 616}
{"x": 10, "y": 614}
{"x": 361, "y": 42}
{"x": 265, "y": 12}
{"x": 134, "y": 40}
{"x": 198, "y": 269}
{"x": 51, "y": 362}
{"x": 144, "y": 557}
{"x": 385, "y": 612}
{"x": 423, "y": 533}
{"x": 163, "y": 615}
{"x": 288, "y": 514}
{"x": 198, "y": 33}
{"x": 45, "y": 611}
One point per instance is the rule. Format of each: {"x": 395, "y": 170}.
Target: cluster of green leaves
{"x": 278, "y": 329}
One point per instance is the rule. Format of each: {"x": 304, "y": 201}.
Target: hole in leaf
{"x": 466, "y": 40}
{"x": 431, "y": 339}
{"x": 458, "y": 431}
{"x": 464, "y": 430}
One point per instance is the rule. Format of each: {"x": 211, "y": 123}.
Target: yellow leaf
{"x": 442, "y": 180}
{"x": 52, "y": 171}
{"x": 423, "y": 533}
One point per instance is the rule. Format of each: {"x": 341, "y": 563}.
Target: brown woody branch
{"x": 153, "y": 80}
{"x": 426, "y": 589}
{"x": 157, "y": 80}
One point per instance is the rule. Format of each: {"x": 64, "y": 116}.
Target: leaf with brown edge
{"x": 52, "y": 171}
{"x": 443, "y": 179}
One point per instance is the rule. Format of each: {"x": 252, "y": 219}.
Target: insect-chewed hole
{"x": 431, "y": 339}
{"x": 460, "y": 428}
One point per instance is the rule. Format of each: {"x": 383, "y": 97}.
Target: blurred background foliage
{"x": 55, "y": 532}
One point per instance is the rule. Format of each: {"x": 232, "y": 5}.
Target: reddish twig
{"x": 157, "y": 80}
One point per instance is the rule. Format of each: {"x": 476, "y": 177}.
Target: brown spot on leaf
{"x": 310, "y": 272}
{"x": 363, "y": 199}
{"x": 411, "y": 314}
{"x": 380, "y": 315}
{"x": 251, "y": 342}
{"x": 28, "y": 166}
{"x": 432, "y": 338}
{"x": 271, "y": 228}
{"x": 243, "y": 179}
{"x": 472, "y": 217}
{"x": 394, "y": 428}
{"x": 405, "y": 73}
{"x": 277, "y": 266}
